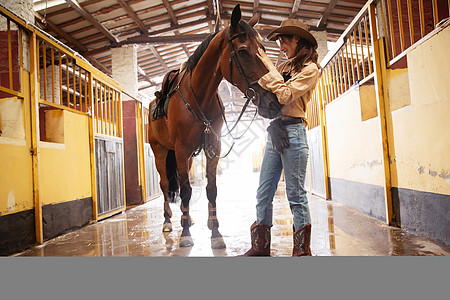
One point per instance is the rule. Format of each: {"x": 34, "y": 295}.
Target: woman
{"x": 287, "y": 147}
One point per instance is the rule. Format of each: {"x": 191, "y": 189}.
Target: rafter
{"x": 210, "y": 5}
{"x": 142, "y": 72}
{"x": 255, "y": 6}
{"x": 295, "y": 8}
{"x": 175, "y": 22}
{"x": 134, "y": 16}
{"x": 80, "y": 47}
{"x": 323, "y": 20}
{"x": 86, "y": 15}
{"x": 165, "y": 40}
{"x": 159, "y": 58}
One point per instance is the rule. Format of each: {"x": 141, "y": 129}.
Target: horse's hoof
{"x": 186, "y": 241}
{"x": 167, "y": 227}
{"x": 218, "y": 243}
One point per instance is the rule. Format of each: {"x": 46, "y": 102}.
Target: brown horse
{"x": 195, "y": 115}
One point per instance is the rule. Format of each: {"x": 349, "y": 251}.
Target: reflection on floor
{"x": 336, "y": 230}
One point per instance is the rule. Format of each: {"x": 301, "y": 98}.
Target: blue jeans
{"x": 293, "y": 160}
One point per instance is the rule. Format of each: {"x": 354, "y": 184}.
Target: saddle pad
{"x": 160, "y": 105}
{"x": 159, "y": 111}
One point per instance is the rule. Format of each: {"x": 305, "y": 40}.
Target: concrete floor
{"x": 337, "y": 230}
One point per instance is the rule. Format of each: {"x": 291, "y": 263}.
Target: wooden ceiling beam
{"x": 165, "y": 40}
{"x": 255, "y": 6}
{"x": 80, "y": 47}
{"x": 210, "y": 5}
{"x": 175, "y": 22}
{"x": 87, "y": 15}
{"x": 159, "y": 58}
{"x": 323, "y": 20}
{"x": 295, "y": 9}
{"x": 134, "y": 16}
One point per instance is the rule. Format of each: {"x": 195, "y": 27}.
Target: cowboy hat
{"x": 292, "y": 27}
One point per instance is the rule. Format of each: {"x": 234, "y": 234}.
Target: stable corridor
{"x": 337, "y": 230}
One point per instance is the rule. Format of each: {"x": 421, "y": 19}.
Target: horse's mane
{"x": 195, "y": 57}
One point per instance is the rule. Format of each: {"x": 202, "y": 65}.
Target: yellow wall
{"x": 65, "y": 168}
{"x": 421, "y": 130}
{"x": 354, "y": 146}
{"x": 16, "y": 178}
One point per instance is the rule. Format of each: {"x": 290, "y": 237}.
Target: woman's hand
{"x": 265, "y": 60}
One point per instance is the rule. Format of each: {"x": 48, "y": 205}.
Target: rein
{"x": 250, "y": 94}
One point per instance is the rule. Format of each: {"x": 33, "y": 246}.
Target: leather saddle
{"x": 159, "y": 109}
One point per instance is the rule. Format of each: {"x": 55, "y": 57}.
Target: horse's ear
{"x": 254, "y": 20}
{"x": 236, "y": 16}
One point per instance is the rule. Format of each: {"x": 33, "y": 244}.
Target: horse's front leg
{"x": 211, "y": 192}
{"x": 161, "y": 165}
{"x": 185, "y": 193}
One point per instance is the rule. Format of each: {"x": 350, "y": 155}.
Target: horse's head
{"x": 243, "y": 68}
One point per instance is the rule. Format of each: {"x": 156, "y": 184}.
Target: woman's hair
{"x": 305, "y": 51}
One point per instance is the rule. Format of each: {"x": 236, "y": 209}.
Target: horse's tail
{"x": 172, "y": 177}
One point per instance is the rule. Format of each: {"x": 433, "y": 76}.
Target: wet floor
{"x": 337, "y": 230}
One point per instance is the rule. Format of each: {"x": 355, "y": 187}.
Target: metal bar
{"x": 74, "y": 74}
{"x": 44, "y": 64}
{"x": 347, "y": 64}
{"x": 20, "y": 56}
{"x": 422, "y": 18}
{"x": 335, "y": 77}
{"x": 344, "y": 72}
{"x": 120, "y": 116}
{"x": 368, "y": 47}
{"x": 67, "y": 81}
{"x": 355, "y": 63}
{"x": 38, "y": 74}
{"x": 383, "y": 109}
{"x": 327, "y": 84}
{"x": 53, "y": 74}
{"x": 338, "y": 76}
{"x": 334, "y": 81}
{"x": 10, "y": 67}
{"x": 112, "y": 111}
{"x": 363, "y": 65}
{"x": 81, "y": 91}
{"x": 35, "y": 150}
{"x": 391, "y": 27}
{"x": 87, "y": 95}
{"x": 109, "y": 111}
{"x": 60, "y": 77}
{"x": 116, "y": 112}
{"x": 351, "y": 56}
{"x": 435, "y": 13}
{"x": 94, "y": 104}
{"x": 411, "y": 23}
{"x": 142, "y": 150}
{"x": 400, "y": 25}
{"x": 91, "y": 121}
{"x": 369, "y": 77}
{"x": 102, "y": 108}
{"x": 59, "y": 106}
{"x": 105, "y": 105}
{"x": 12, "y": 92}
{"x": 323, "y": 128}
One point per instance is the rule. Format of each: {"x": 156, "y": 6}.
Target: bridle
{"x": 250, "y": 94}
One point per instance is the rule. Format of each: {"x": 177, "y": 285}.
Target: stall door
{"x": 109, "y": 172}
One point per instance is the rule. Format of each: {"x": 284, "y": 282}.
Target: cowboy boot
{"x": 260, "y": 234}
{"x": 302, "y": 239}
